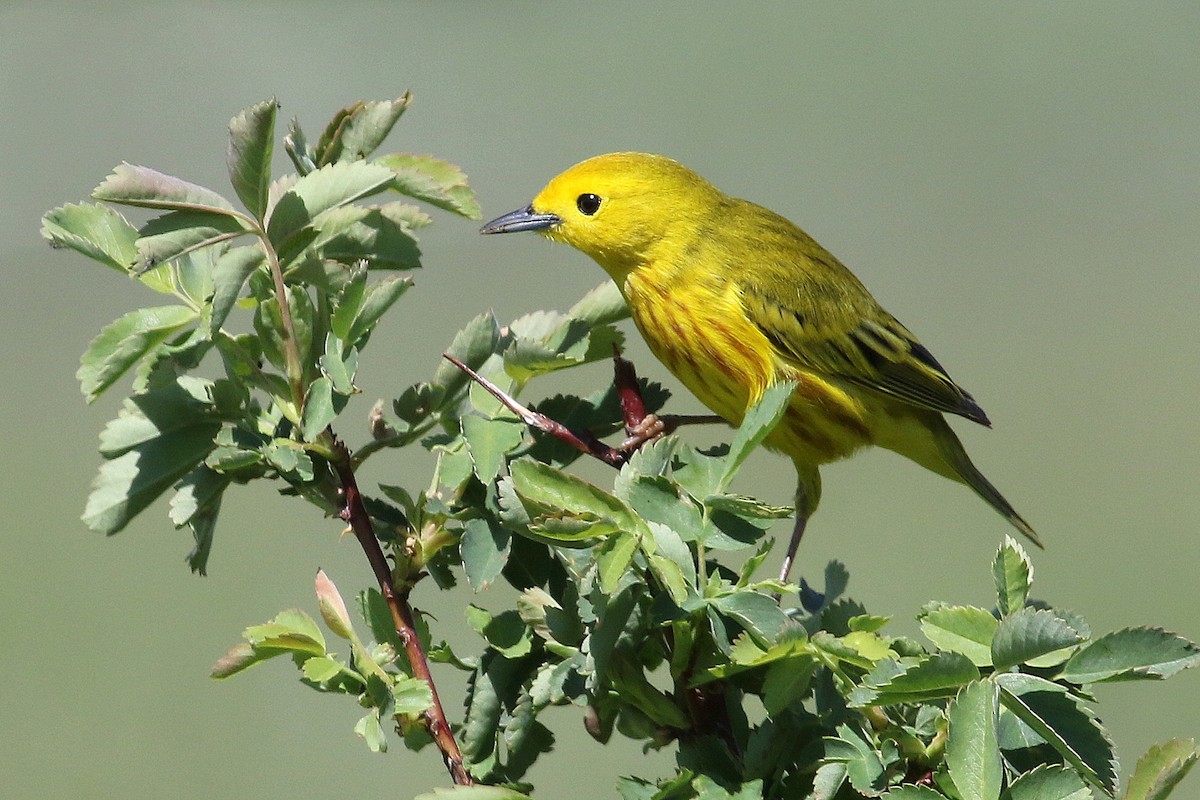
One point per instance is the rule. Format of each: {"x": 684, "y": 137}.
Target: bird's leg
{"x": 585, "y": 442}
{"x": 640, "y": 426}
{"x": 789, "y": 557}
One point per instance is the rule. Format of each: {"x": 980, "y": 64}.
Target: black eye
{"x": 587, "y": 204}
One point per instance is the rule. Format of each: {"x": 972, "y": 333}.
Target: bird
{"x": 733, "y": 298}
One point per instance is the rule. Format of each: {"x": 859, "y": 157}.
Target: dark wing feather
{"x": 837, "y": 328}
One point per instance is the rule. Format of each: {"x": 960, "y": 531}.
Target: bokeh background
{"x": 1018, "y": 182}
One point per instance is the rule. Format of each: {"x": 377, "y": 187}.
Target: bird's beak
{"x": 523, "y": 219}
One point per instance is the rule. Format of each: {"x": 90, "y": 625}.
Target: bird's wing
{"x": 820, "y": 318}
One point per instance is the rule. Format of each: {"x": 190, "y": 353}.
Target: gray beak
{"x": 523, "y": 219}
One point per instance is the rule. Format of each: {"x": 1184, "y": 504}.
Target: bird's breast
{"x": 701, "y": 333}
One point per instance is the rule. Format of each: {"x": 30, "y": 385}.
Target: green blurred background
{"x": 1019, "y": 183}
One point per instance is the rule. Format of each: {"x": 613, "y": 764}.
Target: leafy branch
{"x": 638, "y": 602}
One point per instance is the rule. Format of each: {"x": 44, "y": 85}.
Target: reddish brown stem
{"x": 355, "y": 514}
{"x": 640, "y": 426}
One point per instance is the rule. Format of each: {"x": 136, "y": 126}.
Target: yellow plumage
{"x": 732, "y": 298}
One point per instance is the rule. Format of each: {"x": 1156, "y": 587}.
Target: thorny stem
{"x": 355, "y": 514}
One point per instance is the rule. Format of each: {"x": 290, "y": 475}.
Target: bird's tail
{"x": 956, "y": 456}
{"x": 950, "y": 459}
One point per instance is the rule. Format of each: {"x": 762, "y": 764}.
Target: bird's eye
{"x": 587, "y": 204}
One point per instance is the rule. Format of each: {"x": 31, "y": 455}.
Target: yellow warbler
{"x": 732, "y": 297}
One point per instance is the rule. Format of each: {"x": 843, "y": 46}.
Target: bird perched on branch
{"x": 732, "y": 298}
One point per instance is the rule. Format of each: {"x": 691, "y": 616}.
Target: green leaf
{"x": 198, "y": 500}
{"x": 914, "y": 680}
{"x": 232, "y": 270}
{"x": 961, "y": 629}
{"x": 358, "y": 130}
{"x": 132, "y": 185}
{"x": 160, "y": 437}
{"x": 96, "y": 231}
{"x": 489, "y": 441}
{"x": 319, "y": 411}
{"x": 759, "y": 614}
{"x": 758, "y": 422}
{"x": 290, "y": 630}
{"x": 603, "y": 305}
{"x": 251, "y": 144}
{"x": 331, "y": 186}
{"x": 319, "y": 669}
{"x": 411, "y": 696}
{"x": 472, "y": 345}
{"x": 371, "y": 730}
{"x": 912, "y": 792}
{"x": 1064, "y": 722}
{"x": 552, "y": 488}
{"x": 484, "y": 548}
{"x": 1049, "y": 782}
{"x": 506, "y": 633}
{"x": 382, "y": 235}
{"x": 124, "y": 342}
{"x": 1013, "y": 573}
{"x": 381, "y": 296}
{"x": 972, "y": 749}
{"x": 613, "y": 559}
{"x": 1028, "y": 634}
{"x": 437, "y": 182}
{"x": 1131, "y": 654}
{"x": 863, "y": 765}
{"x": 333, "y": 607}
{"x": 177, "y": 233}
{"x": 1160, "y": 770}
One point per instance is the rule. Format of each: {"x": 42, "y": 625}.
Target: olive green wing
{"x": 821, "y": 318}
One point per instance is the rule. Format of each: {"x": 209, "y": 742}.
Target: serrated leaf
{"x": 333, "y": 607}
{"x": 411, "y": 696}
{"x": 1049, "y": 782}
{"x": 133, "y": 185}
{"x": 319, "y": 669}
{"x": 484, "y": 548}
{"x": 613, "y": 559}
{"x": 95, "y": 230}
{"x": 863, "y": 765}
{"x": 331, "y": 186}
{"x": 230, "y": 274}
{"x": 1131, "y": 654}
{"x": 359, "y": 129}
{"x": 371, "y": 730}
{"x": 1013, "y": 573}
{"x": 603, "y": 305}
{"x": 433, "y": 180}
{"x": 913, "y": 680}
{"x": 248, "y": 155}
{"x": 381, "y": 235}
{"x": 759, "y": 421}
{"x": 961, "y": 629}
{"x": 489, "y": 441}
{"x": 1160, "y": 770}
{"x": 1065, "y": 723}
{"x": 473, "y": 345}
{"x": 912, "y": 792}
{"x": 124, "y": 342}
{"x": 1029, "y": 633}
{"x": 177, "y": 233}
{"x": 291, "y": 630}
{"x": 972, "y": 749}
{"x": 197, "y": 503}
{"x": 319, "y": 410}
{"x": 549, "y": 487}
{"x": 759, "y": 614}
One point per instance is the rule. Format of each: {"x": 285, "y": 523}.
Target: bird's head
{"x": 617, "y": 208}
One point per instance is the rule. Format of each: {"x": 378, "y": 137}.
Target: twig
{"x": 640, "y": 426}
{"x": 355, "y": 514}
